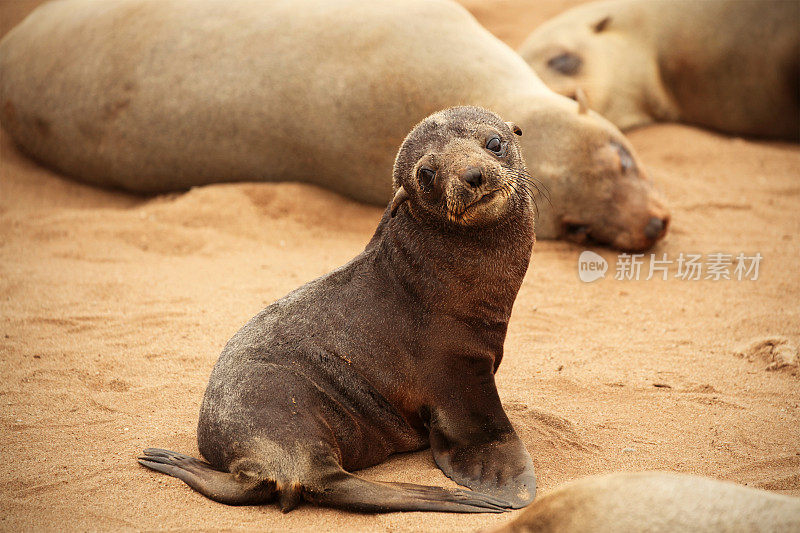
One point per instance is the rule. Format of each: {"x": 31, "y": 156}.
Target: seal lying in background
{"x": 392, "y": 352}
{"x": 163, "y": 95}
{"x": 730, "y": 65}
{"x": 657, "y": 501}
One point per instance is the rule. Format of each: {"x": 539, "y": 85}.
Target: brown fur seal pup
{"x": 730, "y": 65}
{"x": 655, "y": 502}
{"x": 167, "y": 94}
{"x": 392, "y": 352}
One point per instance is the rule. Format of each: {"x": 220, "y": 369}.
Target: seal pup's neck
{"x": 472, "y": 274}
{"x": 456, "y": 239}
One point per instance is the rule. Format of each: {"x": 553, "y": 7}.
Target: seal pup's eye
{"x": 426, "y": 177}
{"x": 494, "y": 145}
{"x": 566, "y": 63}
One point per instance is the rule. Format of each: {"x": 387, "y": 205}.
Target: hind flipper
{"x": 346, "y": 491}
{"x": 338, "y": 489}
{"x": 219, "y": 486}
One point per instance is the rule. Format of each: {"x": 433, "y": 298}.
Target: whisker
{"x": 525, "y": 192}
{"x": 540, "y": 187}
{"x": 525, "y": 177}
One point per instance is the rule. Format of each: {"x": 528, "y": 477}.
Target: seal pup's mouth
{"x": 461, "y": 215}
{"x": 485, "y": 198}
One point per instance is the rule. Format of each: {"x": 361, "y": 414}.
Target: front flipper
{"x": 475, "y": 445}
{"x": 501, "y": 468}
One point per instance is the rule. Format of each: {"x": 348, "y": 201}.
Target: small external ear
{"x": 583, "y": 103}
{"x": 513, "y": 127}
{"x": 399, "y": 197}
{"x": 601, "y": 24}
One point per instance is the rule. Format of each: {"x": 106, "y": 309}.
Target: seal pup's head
{"x": 462, "y": 166}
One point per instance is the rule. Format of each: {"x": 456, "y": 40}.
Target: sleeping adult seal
{"x": 657, "y": 501}
{"x": 392, "y": 352}
{"x": 729, "y": 65}
{"x": 164, "y": 95}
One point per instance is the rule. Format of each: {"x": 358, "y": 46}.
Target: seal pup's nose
{"x": 655, "y": 227}
{"x": 472, "y": 176}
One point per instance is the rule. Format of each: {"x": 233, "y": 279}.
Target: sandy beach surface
{"x": 113, "y": 309}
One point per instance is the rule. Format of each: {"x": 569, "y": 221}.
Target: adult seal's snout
{"x": 654, "y": 228}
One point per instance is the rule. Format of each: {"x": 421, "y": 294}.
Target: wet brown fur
{"x": 392, "y": 352}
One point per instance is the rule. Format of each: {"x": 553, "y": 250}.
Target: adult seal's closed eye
{"x": 392, "y": 352}
{"x": 730, "y": 65}
{"x": 163, "y": 95}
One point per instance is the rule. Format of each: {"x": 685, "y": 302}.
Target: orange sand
{"x": 113, "y": 309}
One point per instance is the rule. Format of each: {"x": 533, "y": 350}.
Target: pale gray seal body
{"x": 730, "y": 65}
{"x": 160, "y": 95}
{"x": 657, "y": 502}
{"x": 392, "y": 352}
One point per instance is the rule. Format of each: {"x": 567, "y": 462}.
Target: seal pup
{"x": 392, "y": 352}
{"x": 154, "y": 96}
{"x": 728, "y": 65}
{"x": 657, "y": 501}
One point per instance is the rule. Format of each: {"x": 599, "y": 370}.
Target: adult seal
{"x": 392, "y": 352}
{"x": 728, "y": 65}
{"x": 657, "y": 501}
{"x": 163, "y": 95}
